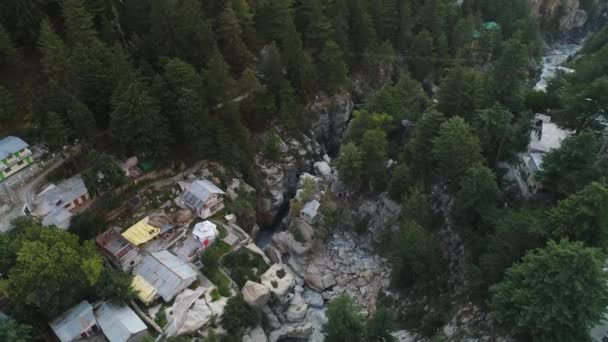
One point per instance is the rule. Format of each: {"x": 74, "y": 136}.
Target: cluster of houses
{"x": 158, "y": 274}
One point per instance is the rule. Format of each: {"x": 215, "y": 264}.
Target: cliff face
{"x": 567, "y": 14}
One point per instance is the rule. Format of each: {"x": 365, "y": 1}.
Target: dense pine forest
{"x": 444, "y": 96}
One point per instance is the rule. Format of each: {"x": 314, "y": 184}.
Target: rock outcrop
{"x": 255, "y": 294}
{"x": 570, "y": 13}
{"x": 279, "y": 280}
{"x": 332, "y": 115}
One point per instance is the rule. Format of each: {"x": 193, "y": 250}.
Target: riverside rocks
{"x": 279, "y": 280}
{"x": 255, "y": 294}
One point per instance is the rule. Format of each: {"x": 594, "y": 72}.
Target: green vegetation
{"x": 346, "y": 323}
{"x": 189, "y": 80}
{"x": 238, "y": 315}
{"x": 244, "y": 265}
{"x": 12, "y": 331}
{"x": 554, "y": 294}
{"x": 70, "y": 270}
{"x": 211, "y": 267}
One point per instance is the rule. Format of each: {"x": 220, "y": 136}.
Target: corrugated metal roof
{"x": 141, "y": 232}
{"x": 10, "y": 145}
{"x": 203, "y": 188}
{"x": 145, "y": 291}
{"x": 61, "y": 194}
{"x": 118, "y": 323}
{"x": 74, "y": 322}
{"x": 167, "y": 273}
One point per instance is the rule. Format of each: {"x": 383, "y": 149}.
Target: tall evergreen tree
{"x": 137, "y": 124}
{"x": 230, "y": 37}
{"x": 332, "y": 68}
{"x": 78, "y": 23}
{"x": 55, "y": 64}
{"x": 422, "y": 57}
{"x": 455, "y": 148}
{"x": 221, "y": 84}
{"x": 55, "y": 130}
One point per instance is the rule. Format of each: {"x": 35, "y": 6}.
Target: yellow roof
{"x": 141, "y": 232}
{"x": 145, "y": 291}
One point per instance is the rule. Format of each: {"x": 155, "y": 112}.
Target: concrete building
{"x": 56, "y": 204}
{"x": 120, "y": 251}
{"x": 166, "y": 273}
{"x": 77, "y": 323}
{"x": 120, "y": 323}
{"x": 205, "y": 233}
{"x": 544, "y": 137}
{"x": 14, "y": 156}
{"x": 202, "y": 197}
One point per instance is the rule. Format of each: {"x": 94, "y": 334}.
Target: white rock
{"x": 323, "y": 169}
{"x": 297, "y": 309}
{"x": 278, "y": 280}
{"x": 255, "y": 294}
{"x": 256, "y": 334}
{"x": 291, "y": 331}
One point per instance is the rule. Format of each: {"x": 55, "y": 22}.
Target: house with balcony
{"x": 14, "y": 156}
{"x": 56, "y": 204}
{"x": 203, "y": 197}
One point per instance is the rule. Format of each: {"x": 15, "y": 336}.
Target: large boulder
{"x": 317, "y": 280}
{"x": 256, "y": 334}
{"x": 323, "y": 169}
{"x": 304, "y": 231}
{"x": 314, "y": 299}
{"x": 299, "y": 331}
{"x": 255, "y": 294}
{"x": 296, "y": 310}
{"x": 278, "y": 280}
{"x": 286, "y": 243}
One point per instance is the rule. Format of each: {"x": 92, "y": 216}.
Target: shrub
{"x": 238, "y": 315}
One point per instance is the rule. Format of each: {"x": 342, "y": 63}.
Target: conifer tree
{"x": 420, "y": 149}
{"x": 54, "y": 54}
{"x": 422, "y": 55}
{"x": 461, "y": 92}
{"x": 8, "y": 52}
{"x": 222, "y": 85}
{"x": 137, "y": 124}
{"x": 332, "y": 68}
{"x": 455, "y": 148}
{"x": 231, "y": 42}
{"x": 55, "y": 130}
{"x": 361, "y": 29}
{"x": 78, "y": 23}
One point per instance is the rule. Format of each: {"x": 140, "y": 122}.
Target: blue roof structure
{"x": 10, "y": 145}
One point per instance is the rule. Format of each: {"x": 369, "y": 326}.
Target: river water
{"x": 553, "y": 61}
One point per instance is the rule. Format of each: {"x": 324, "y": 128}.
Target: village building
{"x": 14, "y": 156}
{"x": 544, "y": 137}
{"x": 141, "y": 232}
{"x": 310, "y": 211}
{"x": 165, "y": 273}
{"x": 205, "y": 233}
{"x": 120, "y": 323}
{"x": 120, "y": 251}
{"x": 202, "y": 197}
{"x": 77, "y": 323}
{"x": 56, "y": 204}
